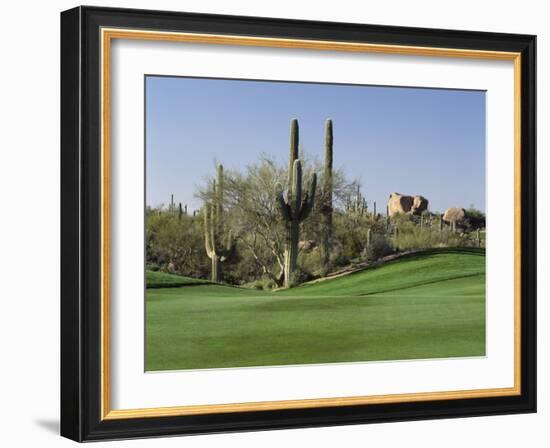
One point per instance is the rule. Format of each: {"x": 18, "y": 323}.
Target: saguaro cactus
{"x": 396, "y": 236}
{"x": 358, "y": 205}
{"x": 326, "y": 208}
{"x": 218, "y": 243}
{"x": 297, "y": 205}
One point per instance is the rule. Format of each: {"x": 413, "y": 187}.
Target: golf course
{"x": 428, "y": 304}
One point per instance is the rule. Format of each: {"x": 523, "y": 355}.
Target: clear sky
{"x": 409, "y": 140}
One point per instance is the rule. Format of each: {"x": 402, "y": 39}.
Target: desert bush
{"x": 153, "y": 267}
{"x": 310, "y": 264}
{"x": 300, "y": 276}
{"x": 475, "y": 219}
{"x": 175, "y": 244}
{"x": 264, "y": 283}
{"x": 470, "y": 239}
{"x": 380, "y": 247}
{"x": 351, "y": 233}
{"x": 426, "y": 238}
{"x": 338, "y": 259}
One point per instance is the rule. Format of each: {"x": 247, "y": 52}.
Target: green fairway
{"x": 428, "y": 305}
{"x": 164, "y": 280}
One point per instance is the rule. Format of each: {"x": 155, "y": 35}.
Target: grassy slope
{"x": 405, "y": 272}
{"x": 423, "y": 306}
{"x": 155, "y": 279}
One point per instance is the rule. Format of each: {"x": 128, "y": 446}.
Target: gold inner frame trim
{"x": 107, "y": 35}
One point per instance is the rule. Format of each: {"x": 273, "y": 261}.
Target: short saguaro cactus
{"x": 219, "y": 242}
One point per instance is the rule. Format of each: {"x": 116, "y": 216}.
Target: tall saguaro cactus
{"x": 218, "y": 243}
{"x": 326, "y": 207}
{"x": 297, "y": 205}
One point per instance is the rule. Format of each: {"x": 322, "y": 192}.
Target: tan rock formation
{"x": 401, "y": 203}
{"x": 454, "y": 214}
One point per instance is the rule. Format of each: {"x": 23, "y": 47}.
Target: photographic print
{"x": 273, "y": 223}
{"x": 292, "y": 223}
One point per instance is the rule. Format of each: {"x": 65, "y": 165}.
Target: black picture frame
{"x": 81, "y": 224}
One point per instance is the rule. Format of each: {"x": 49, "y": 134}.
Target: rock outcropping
{"x": 401, "y": 203}
{"x": 454, "y": 214}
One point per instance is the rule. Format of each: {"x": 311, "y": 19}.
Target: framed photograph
{"x": 273, "y": 223}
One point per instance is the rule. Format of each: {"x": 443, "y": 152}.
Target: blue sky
{"x": 410, "y": 140}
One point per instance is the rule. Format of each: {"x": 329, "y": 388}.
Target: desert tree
{"x": 251, "y": 195}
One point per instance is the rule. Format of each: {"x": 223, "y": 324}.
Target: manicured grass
{"x": 422, "y": 306}
{"x": 154, "y": 279}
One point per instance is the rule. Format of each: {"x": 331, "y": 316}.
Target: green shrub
{"x": 310, "y": 263}
{"x": 426, "y": 238}
{"x": 380, "y": 247}
{"x": 475, "y": 219}
{"x": 339, "y": 259}
{"x": 300, "y": 276}
{"x": 260, "y": 284}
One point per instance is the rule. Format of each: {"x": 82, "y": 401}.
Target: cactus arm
{"x": 282, "y": 205}
{"x": 229, "y": 247}
{"x": 295, "y": 201}
{"x": 218, "y": 198}
{"x": 309, "y": 199}
{"x": 329, "y": 139}
{"x": 293, "y": 153}
{"x": 229, "y": 241}
{"x": 210, "y": 251}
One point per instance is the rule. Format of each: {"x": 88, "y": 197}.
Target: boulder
{"x": 420, "y": 204}
{"x": 454, "y": 214}
{"x": 402, "y": 203}
{"x": 399, "y": 203}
